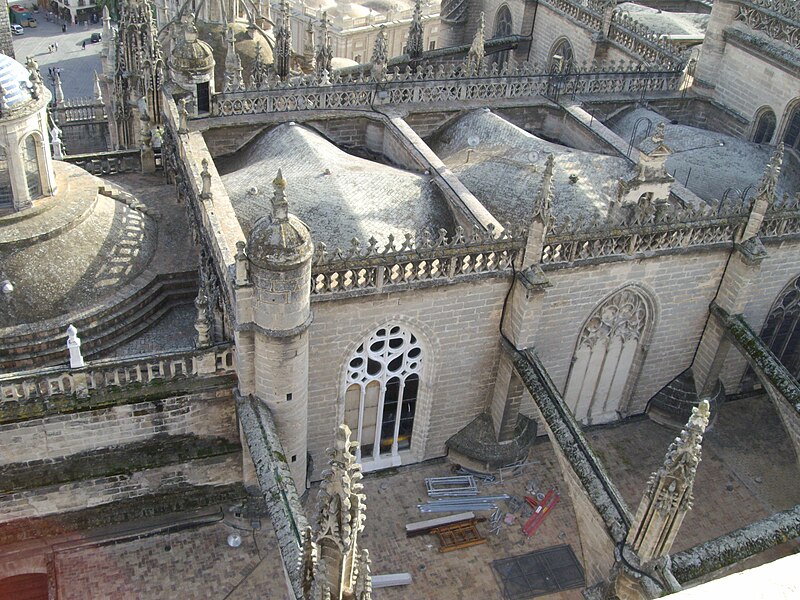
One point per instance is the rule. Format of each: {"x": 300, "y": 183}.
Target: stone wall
{"x": 458, "y": 329}
{"x": 6, "y": 45}
{"x": 226, "y": 140}
{"x": 550, "y": 26}
{"x": 681, "y": 286}
{"x": 778, "y": 269}
{"x": 203, "y": 413}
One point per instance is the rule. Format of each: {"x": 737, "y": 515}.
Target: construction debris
{"x": 461, "y": 504}
{"x": 540, "y": 510}
{"x": 391, "y": 580}
{"x": 460, "y": 535}
{"x": 459, "y": 485}
{"x": 422, "y": 527}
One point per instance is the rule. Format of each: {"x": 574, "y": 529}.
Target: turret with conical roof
{"x": 279, "y": 251}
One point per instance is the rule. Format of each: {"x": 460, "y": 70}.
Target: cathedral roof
{"x": 503, "y": 166}
{"x": 707, "y": 162}
{"x": 14, "y": 79}
{"x": 339, "y": 196}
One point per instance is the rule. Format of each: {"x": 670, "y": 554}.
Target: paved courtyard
{"x": 748, "y": 471}
{"x": 78, "y": 64}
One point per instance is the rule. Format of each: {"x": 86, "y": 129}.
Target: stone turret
{"x": 191, "y": 64}
{"x": 27, "y": 173}
{"x": 279, "y": 252}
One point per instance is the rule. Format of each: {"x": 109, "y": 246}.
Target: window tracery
{"x": 382, "y": 382}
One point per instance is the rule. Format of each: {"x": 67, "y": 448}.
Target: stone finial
{"x": 765, "y": 197}
{"x": 74, "y": 347}
{"x": 669, "y": 493}
{"x": 3, "y": 101}
{"x": 416, "y": 34}
{"x": 183, "y": 116}
{"x": 660, "y": 135}
{"x": 280, "y": 206}
{"x": 59, "y": 90}
{"x": 283, "y": 43}
{"x": 242, "y": 270}
{"x": 477, "y": 52}
{"x": 380, "y": 55}
{"x": 205, "y": 176}
{"x": 56, "y": 143}
{"x": 258, "y": 74}
{"x": 201, "y": 323}
{"x": 234, "y": 81}
{"x": 34, "y": 77}
{"x": 335, "y": 561}
{"x": 543, "y": 201}
{"x": 98, "y": 92}
{"x": 324, "y": 56}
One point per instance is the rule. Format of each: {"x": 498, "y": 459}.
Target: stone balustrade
{"x": 417, "y": 261}
{"x": 589, "y": 13}
{"x": 779, "y": 19}
{"x": 79, "y": 109}
{"x": 116, "y": 373}
{"x": 443, "y": 85}
{"x": 642, "y": 41}
{"x": 108, "y": 163}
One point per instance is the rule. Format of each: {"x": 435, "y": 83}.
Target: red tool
{"x": 540, "y": 511}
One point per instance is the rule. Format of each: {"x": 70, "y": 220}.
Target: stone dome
{"x": 279, "y": 240}
{"x": 14, "y": 79}
{"x": 191, "y": 55}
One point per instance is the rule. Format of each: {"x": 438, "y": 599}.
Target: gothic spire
{"x": 477, "y": 52}
{"x": 544, "y": 199}
{"x": 380, "y": 55}
{"x": 98, "y": 92}
{"x": 669, "y": 493}
{"x": 234, "y": 82}
{"x": 333, "y": 559}
{"x": 283, "y": 43}
{"x": 416, "y": 44}
{"x": 324, "y": 55}
{"x": 280, "y": 206}
{"x": 765, "y": 197}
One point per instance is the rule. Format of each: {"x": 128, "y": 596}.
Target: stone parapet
{"x": 779, "y": 19}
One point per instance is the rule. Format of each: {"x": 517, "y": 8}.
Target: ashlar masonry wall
{"x": 681, "y": 288}
{"x": 551, "y": 26}
{"x": 777, "y": 270}
{"x": 458, "y": 327}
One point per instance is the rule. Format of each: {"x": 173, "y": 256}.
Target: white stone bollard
{"x": 74, "y": 347}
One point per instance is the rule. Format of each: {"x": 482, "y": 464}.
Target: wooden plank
{"x": 457, "y": 536}
{"x": 421, "y": 527}
{"x": 391, "y": 580}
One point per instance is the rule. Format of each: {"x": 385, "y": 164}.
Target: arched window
{"x": 561, "y": 57}
{"x": 503, "y": 27}
{"x": 32, "y": 175}
{"x": 6, "y": 194}
{"x": 603, "y": 367}
{"x": 792, "y": 135}
{"x": 781, "y": 332}
{"x": 381, "y": 395}
{"x": 765, "y": 127}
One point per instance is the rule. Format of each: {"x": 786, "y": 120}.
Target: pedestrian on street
{"x": 56, "y": 45}
{"x": 63, "y": 28}
{"x": 84, "y": 44}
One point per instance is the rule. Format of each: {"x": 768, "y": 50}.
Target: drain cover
{"x": 538, "y": 573}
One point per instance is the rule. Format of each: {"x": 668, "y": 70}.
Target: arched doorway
{"x": 380, "y": 399}
{"x": 607, "y": 357}
{"x": 33, "y": 176}
{"x": 503, "y": 26}
{"x": 765, "y": 126}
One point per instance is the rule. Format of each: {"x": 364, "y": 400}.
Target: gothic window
{"x": 32, "y": 176}
{"x": 792, "y": 136}
{"x": 381, "y": 395}
{"x": 603, "y": 366}
{"x": 765, "y": 127}
{"x": 561, "y": 57}
{"x": 781, "y": 332}
{"x": 6, "y": 194}
{"x": 502, "y": 28}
